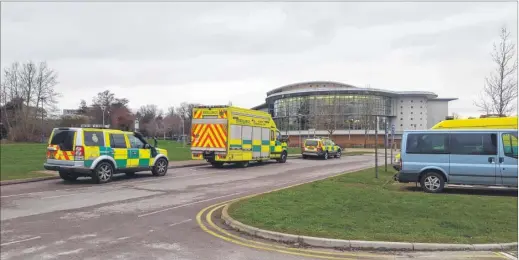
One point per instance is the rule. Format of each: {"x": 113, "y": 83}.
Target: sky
{"x": 165, "y": 53}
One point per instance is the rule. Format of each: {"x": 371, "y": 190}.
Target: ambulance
{"x": 473, "y": 123}
{"x": 229, "y": 134}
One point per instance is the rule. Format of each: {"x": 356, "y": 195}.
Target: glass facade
{"x": 331, "y": 112}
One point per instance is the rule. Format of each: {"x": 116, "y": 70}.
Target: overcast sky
{"x": 213, "y": 53}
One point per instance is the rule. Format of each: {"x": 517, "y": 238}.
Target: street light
{"x": 183, "y": 130}
{"x": 42, "y": 135}
{"x": 299, "y": 127}
{"x": 103, "y": 107}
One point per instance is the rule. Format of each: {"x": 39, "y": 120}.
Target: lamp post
{"x": 376, "y": 148}
{"x": 103, "y": 107}
{"x": 299, "y": 127}
{"x": 183, "y": 130}
{"x": 42, "y": 135}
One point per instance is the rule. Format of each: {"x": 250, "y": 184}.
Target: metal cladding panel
{"x": 256, "y": 142}
{"x": 246, "y": 138}
{"x": 236, "y": 132}
{"x": 265, "y": 142}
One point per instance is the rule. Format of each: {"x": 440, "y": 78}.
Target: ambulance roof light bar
{"x": 216, "y": 106}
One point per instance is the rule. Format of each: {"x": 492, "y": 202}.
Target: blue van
{"x": 467, "y": 157}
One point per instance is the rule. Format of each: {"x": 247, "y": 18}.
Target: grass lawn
{"x": 18, "y": 161}
{"x": 357, "y": 206}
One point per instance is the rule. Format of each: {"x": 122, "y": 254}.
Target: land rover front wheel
{"x": 432, "y": 182}
{"x": 160, "y": 168}
{"x": 283, "y": 158}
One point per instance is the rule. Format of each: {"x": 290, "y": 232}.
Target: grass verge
{"x": 19, "y": 161}
{"x": 357, "y": 206}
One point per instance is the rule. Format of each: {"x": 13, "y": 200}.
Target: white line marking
{"x": 181, "y": 222}
{"x": 20, "y": 241}
{"x": 109, "y": 185}
{"x": 57, "y": 196}
{"x": 509, "y": 256}
{"x": 202, "y": 178}
{"x": 188, "y": 204}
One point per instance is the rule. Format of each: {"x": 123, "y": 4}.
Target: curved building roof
{"x": 328, "y": 87}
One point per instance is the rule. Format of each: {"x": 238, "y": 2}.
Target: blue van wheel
{"x": 432, "y": 182}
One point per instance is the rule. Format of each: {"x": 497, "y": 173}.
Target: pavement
{"x": 149, "y": 217}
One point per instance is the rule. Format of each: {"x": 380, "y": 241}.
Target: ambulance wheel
{"x": 66, "y": 176}
{"x": 243, "y": 164}
{"x": 305, "y": 157}
{"x": 103, "y": 172}
{"x": 325, "y": 156}
{"x": 338, "y": 154}
{"x": 283, "y": 158}
{"x": 160, "y": 168}
{"x": 217, "y": 164}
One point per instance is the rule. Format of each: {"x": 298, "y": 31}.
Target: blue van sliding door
{"x": 473, "y": 158}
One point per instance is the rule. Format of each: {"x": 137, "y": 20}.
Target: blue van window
{"x": 427, "y": 143}
{"x": 510, "y": 144}
{"x": 473, "y": 143}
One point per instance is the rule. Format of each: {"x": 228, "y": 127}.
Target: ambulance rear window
{"x": 311, "y": 143}
{"x": 64, "y": 139}
{"x": 94, "y": 138}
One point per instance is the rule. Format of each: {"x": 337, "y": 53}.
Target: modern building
{"x": 350, "y": 114}
{"x": 70, "y": 112}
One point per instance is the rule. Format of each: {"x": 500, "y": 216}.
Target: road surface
{"x": 155, "y": 217}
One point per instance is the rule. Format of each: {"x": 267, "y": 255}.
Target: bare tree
{"x": 28, "y": 95}
{"x": 328, "y": 113}
{"x": 185, "y": 111}
{"x": 500, "y": 91}
{"x": 455, "y": 115}
{"x": 46, "y": 96}
{"x": 366, "y": 111}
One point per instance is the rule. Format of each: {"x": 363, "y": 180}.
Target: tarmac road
{"x": 156, "y": 217}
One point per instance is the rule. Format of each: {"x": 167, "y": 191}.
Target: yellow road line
{"x": 212, "y": 224}
{"x": 204, "y": 228}
{"x": 503, "y": 255}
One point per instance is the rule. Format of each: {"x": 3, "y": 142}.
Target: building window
{"x": 411, "y": 118}
{"x": 401, "y": 107}
{"x": 401, "y": 101}
{"x": 411, "y": 113}
{"x": 401, "y": 113}
{"x": 420, "y": 113}
{"x": 401, "y": 119}
{"x": 411, "y": 106}
{"x": 401, "y": 124}
{"x": 411, "y": 101}
{"x": 421, "y": 101}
